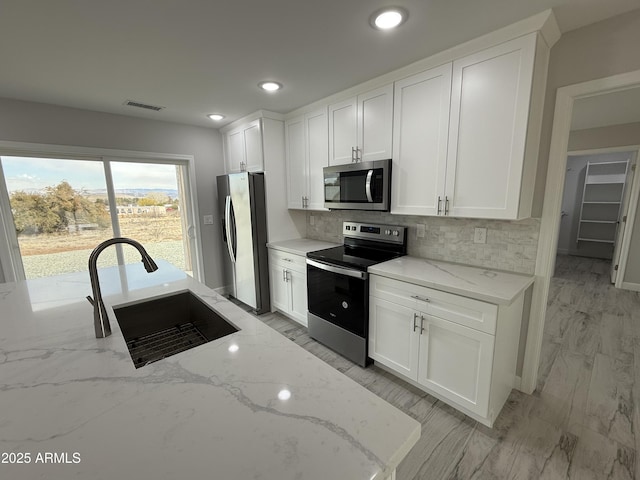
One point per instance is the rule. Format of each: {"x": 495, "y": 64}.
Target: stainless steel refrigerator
{"x": 244, "y": 232}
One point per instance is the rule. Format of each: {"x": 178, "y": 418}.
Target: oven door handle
{"x": 339, "y": 270}
{"x": 367, "y": 186}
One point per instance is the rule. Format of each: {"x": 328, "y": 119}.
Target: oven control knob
{"x": 396, "y": 233}
{"x": 387, "y": 232}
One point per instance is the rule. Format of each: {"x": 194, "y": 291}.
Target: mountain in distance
{"x": 133, "y": 192}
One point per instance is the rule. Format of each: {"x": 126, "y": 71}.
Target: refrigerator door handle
{"x": 227, "y": 224}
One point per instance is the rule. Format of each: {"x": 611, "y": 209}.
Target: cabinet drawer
{"x": 288, "y": 260}
{"x": 455, "y": 308}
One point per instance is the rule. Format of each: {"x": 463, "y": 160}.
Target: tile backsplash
{"x": 511, "y": 245}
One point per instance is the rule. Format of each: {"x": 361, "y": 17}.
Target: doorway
{"x": 566, "y": 97}
{"x": 595, "y": 203}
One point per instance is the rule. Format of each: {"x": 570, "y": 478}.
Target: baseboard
{"x": 563, "y": 251}
{"x": 635, "y": 287}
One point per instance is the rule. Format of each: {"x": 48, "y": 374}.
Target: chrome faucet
{"x": 100, "y": 318}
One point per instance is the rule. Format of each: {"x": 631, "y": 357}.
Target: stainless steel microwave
{"x": 358, "y": 186}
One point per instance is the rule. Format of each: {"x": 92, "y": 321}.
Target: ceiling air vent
{"x": 131, "y": 103}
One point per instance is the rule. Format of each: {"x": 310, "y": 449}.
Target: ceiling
{"x": 196, "y": 57}
{"x": 615, "y": 108}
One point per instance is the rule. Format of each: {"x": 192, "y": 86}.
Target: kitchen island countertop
{"x": 249, "y": 405}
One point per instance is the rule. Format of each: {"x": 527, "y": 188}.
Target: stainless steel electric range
{"x": 338, "y": 286}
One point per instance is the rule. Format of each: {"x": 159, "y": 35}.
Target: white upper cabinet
{"x": 375, "y": 124}
{"x": 343, "y": 131}
{"x": 307, "y": 144}
{"x": 460, "y": 132}
{"x": 316, "y": 155}
{"x": 360, "y": 128}
{"x": 421, "y": 125}
{"x": 490, "y": 101}
{"x": 295, "y": 161}
{"x": 243, "y": 148}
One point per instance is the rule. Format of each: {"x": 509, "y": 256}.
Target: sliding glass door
{"x": 60, "y": 209}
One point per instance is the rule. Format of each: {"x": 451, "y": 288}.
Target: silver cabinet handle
{"x": 422, "y": 329}
{"x": 415, "y": 317}
{"x": 358, "y": 156}
{"x": 353, "y": 154}
{"x": 439, "y": 205}
{"x": 422, "y": 299}
{"x": 287, "y": 260}
{"x": 446, "y": 205}
{"x": 367, "y": 186}
{"x": 284, "y": 275}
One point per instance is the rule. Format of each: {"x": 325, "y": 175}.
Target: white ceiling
{"x": 196, "y": 57}
{"x": 610, "y": 109}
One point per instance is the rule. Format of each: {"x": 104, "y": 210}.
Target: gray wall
{"x": 604, "y": 137}
{"x": 599, "y": 50}
{"x": 41, "y": 123}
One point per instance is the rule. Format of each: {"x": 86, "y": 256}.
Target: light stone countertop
{"x": 301, "y": 246}
{"x": 492, "y": 286}
{"x": 210, "y": 412}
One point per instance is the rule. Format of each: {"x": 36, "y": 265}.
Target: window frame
{"x": 10, "y": 259}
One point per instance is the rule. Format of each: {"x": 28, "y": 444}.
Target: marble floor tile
{"x": 613, "y": 339}
{"x": 558, "y": 319}
{"x": 609, "y": 409}
{"x": 583, "y": 334}
{"x": 597, "y": 457}
{"x": 445, "y": 432}
{"x": 563, "y": 399}
{"x": 548, "y": 355}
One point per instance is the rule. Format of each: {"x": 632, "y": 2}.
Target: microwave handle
{"x": 367, "y": 186}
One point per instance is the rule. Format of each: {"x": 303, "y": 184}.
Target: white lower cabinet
{"x": 288, "y": 284}
{"x": 462, "y": 366}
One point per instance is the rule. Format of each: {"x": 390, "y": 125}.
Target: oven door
{"x": 359, "y": 186}
{"x": 338, "y": 295}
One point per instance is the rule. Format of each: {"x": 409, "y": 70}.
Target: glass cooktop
{"x": 356, "y": 257}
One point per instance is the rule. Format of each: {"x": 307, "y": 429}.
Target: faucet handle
{"x": 91, "y": 300}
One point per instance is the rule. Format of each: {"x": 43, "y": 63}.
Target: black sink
{"x": 161, "y": 327}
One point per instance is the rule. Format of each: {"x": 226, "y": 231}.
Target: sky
{"x": 28, "y": 174}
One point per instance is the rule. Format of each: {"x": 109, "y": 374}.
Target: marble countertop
{"x": 301, "y": 246}
{"x": 215, "y": 411}
{"x": 492, "y": 286}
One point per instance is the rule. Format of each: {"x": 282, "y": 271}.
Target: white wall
{"x": 41, "y": 123}
{"x": 572, "y": 198}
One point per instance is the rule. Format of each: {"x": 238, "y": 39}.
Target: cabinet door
{"x": 298, "y": 295}
{"x": 392, "y": 340}
{"x": 489, "y": 115}
{"x": 295, "y": 158}
{"x": 253, "y": 147}
{"x": 375, "y": 117}
{"x": 421, "y": 126}
{"x": 279, "y": 288}
{"x": 317, "y": 155}
{"x": 234, "y": 142}
{"x": 456, "y": 362}
{"x": 343, "y": 134}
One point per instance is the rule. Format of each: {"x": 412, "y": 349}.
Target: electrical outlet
{"x": 312, "y": 220}
{"x": 480, "y": 235}
{"x": 420, "y": 230}
{"x": 207, "y": 219}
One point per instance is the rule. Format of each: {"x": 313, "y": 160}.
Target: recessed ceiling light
{"x": 270, "y": 86}
{"x": 216, "y": 116}
{"x": 388, "y": 18}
